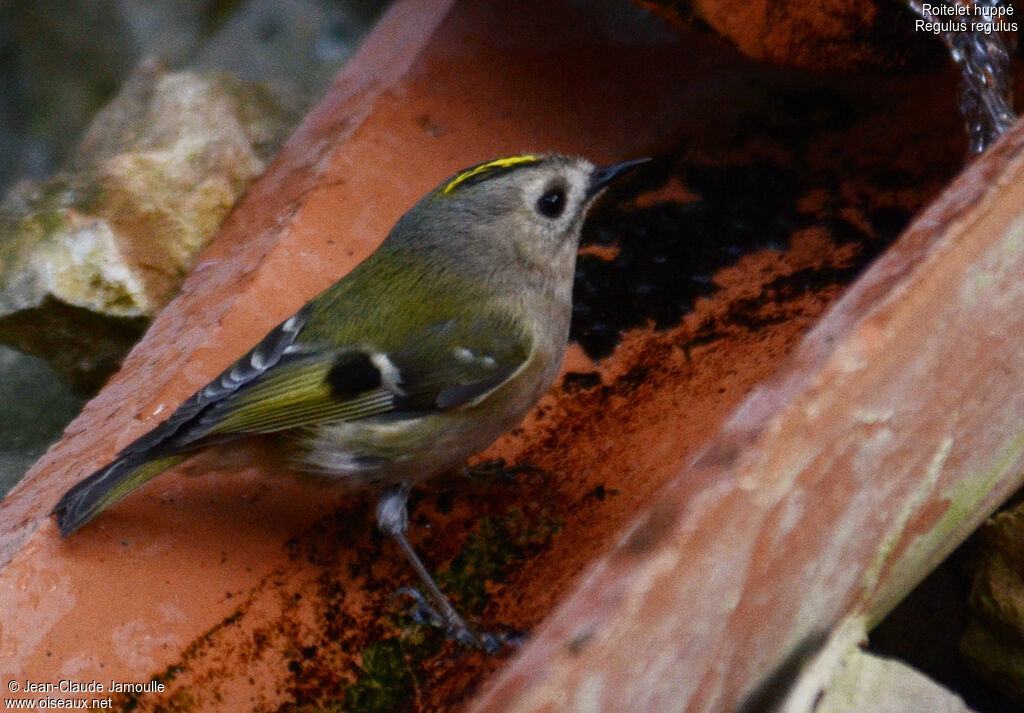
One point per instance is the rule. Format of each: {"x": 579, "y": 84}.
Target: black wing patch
{"x": 352, "y": 374}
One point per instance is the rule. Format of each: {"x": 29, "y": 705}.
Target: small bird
{"x": 421, "y": 356}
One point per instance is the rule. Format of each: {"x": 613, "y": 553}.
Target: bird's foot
{"x": 425, "y": 613}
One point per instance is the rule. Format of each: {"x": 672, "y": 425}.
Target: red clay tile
{"x": 247, "y": 591}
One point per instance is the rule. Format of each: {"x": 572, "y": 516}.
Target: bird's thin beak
{"x": 601, "y": 177}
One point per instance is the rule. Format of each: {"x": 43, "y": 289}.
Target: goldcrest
{"x": 421, "y": 356}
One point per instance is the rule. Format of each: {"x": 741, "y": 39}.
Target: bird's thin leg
{"x": 393, "y": 520}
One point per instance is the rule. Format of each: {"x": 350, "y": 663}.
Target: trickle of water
{"x": 982, "y": 52}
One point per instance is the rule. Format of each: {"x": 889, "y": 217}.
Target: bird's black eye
{"x": 552, "y": 203}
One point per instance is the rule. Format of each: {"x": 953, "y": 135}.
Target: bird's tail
{"x": 106, "y": 486}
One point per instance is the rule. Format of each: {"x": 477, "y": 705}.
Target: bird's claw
{"x": 422, "y": 611}
{"x": 425, "y": 613}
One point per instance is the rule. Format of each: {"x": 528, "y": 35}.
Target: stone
{"x": 866, "y": 682}
{"x": 55, "y": 76}
{"x": 994, "y": 641}
{"x": 89, "y": 256}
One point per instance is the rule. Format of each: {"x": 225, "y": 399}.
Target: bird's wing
{"x": 256, "y": 362}
{"x": 284, "y": 383}
{"x": 169, "y": 443}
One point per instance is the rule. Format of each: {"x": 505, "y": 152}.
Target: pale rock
{"x": 89, "y": 256}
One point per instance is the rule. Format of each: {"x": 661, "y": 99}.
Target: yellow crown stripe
{"x": 489, "y": 166}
